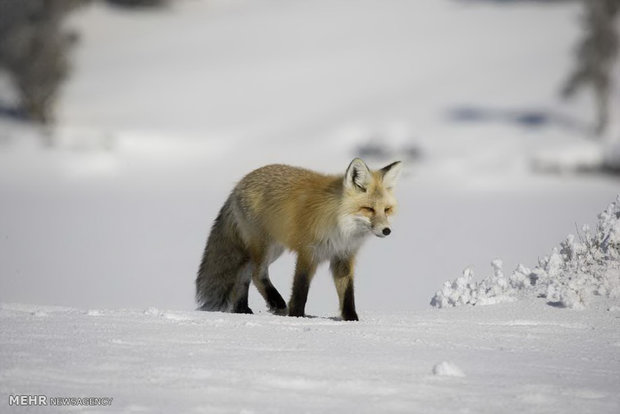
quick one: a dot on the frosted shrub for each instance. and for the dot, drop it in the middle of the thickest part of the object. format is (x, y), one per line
(459, 292)
(582, 267)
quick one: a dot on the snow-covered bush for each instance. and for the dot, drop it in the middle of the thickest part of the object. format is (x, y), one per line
(581, 267)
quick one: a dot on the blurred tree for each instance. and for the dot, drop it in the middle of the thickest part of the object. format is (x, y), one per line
(33, 49)
(596, 55)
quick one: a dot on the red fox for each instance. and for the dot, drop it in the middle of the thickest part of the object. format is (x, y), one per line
(319, 217)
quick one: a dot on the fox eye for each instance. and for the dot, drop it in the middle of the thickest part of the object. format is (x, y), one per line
(388, 210)
(368, 210)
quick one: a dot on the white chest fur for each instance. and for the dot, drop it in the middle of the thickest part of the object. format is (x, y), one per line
(345, 239)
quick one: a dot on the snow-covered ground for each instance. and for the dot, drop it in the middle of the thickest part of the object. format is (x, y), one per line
(164, 113)
(508, 358)
(166, 110)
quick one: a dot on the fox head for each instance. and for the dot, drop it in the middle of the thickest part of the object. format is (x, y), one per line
(368, 198)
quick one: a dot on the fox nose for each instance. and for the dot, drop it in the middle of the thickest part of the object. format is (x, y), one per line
(386, 231)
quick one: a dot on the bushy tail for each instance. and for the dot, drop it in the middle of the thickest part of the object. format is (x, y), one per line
(223, 258)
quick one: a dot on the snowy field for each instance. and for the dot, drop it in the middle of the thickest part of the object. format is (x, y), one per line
(508, 358)
(104, 218)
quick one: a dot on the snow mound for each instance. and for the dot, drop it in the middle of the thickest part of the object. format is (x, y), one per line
(582, 267)
(151, 311)
(447, 369)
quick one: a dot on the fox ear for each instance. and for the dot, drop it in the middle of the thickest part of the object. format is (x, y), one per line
(391, 173)
(358, 175)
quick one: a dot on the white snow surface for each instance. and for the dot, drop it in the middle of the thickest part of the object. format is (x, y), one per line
(579, 269)
(518, 357)
(166, 110)
(105, 216)
(447, 369)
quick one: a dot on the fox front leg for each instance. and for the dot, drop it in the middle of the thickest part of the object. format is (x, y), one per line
(342, 271)
(304, 271)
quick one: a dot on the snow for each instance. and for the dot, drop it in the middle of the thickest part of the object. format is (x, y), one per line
(154, 131)
(581, 268)
(523, 356)
(103, 218)
(447, 369)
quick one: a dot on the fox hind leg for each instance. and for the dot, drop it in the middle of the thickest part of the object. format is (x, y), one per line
(240, 291)
(260, 277)
(273, 298)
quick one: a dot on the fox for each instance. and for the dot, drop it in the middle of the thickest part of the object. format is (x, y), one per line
(318, 217)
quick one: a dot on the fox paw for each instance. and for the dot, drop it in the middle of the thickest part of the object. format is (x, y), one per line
(350, 316)
(242, 309)
(279, 311)
(296, 312)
